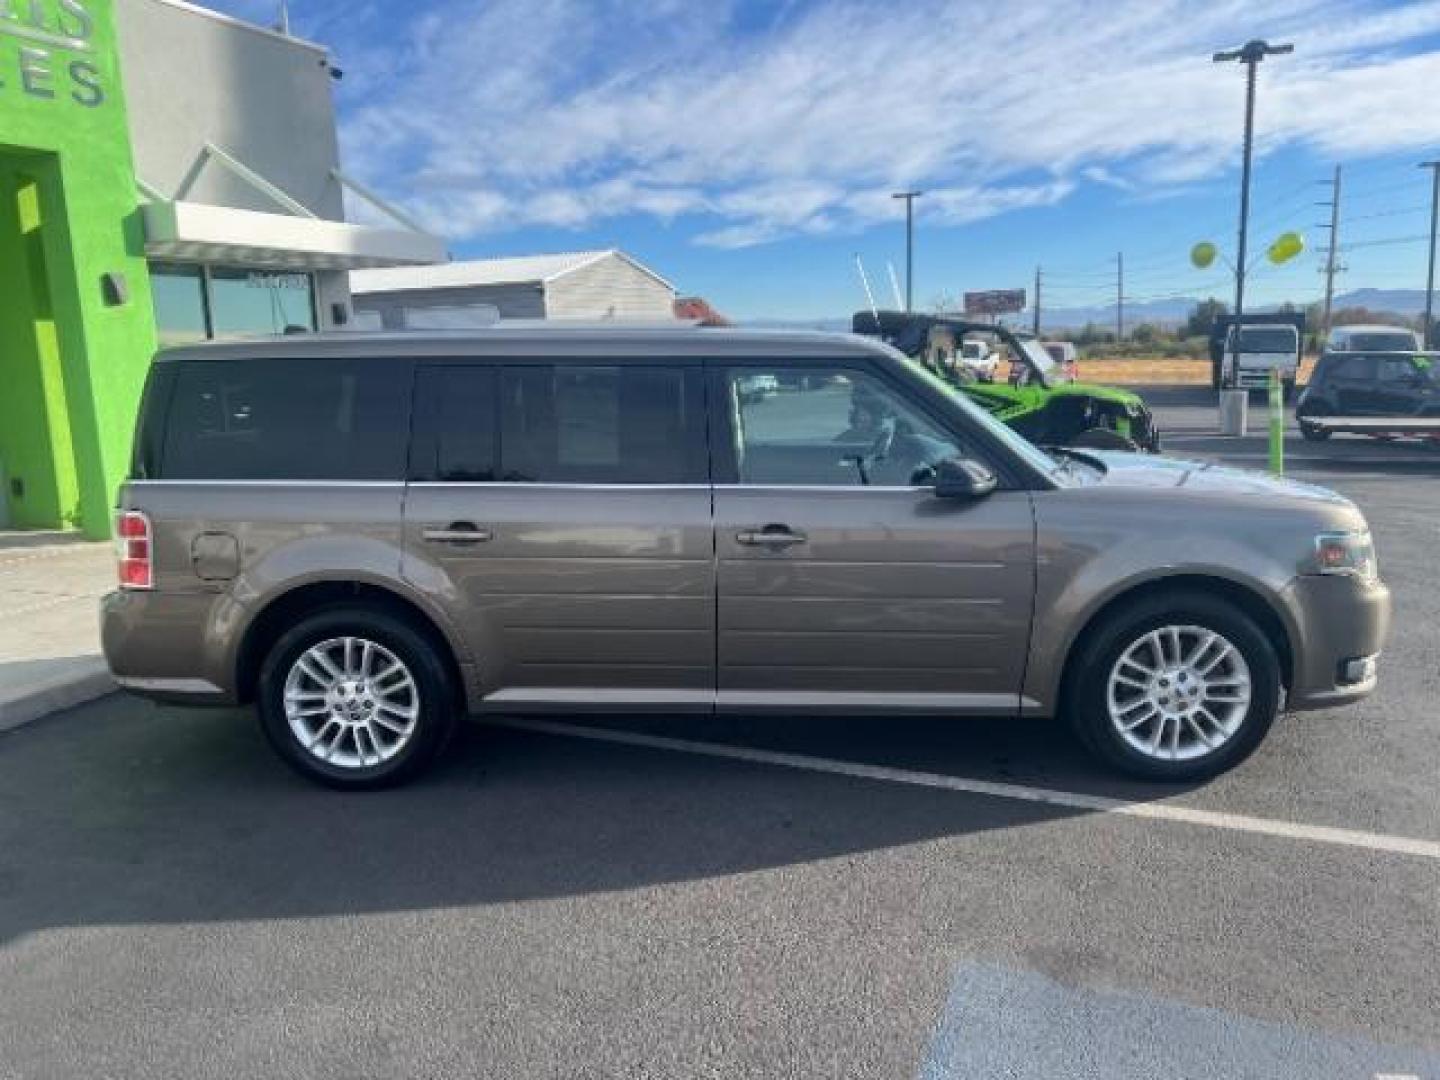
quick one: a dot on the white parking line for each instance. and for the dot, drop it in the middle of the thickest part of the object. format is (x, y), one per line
(1160, 811)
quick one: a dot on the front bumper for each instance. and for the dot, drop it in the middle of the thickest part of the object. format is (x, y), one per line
(1343, 623)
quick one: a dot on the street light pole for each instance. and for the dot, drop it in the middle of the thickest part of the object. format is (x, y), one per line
(1426, 334)
(909, 197)
(1250, 54)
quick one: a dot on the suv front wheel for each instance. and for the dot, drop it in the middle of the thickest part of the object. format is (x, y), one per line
(354, 697)
(1176, 688)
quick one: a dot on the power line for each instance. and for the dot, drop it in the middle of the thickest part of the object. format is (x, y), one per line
(1385, 241)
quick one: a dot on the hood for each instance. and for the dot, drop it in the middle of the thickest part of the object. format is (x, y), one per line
(1153, 471)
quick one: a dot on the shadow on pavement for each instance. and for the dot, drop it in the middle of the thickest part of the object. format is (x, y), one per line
(123, 812)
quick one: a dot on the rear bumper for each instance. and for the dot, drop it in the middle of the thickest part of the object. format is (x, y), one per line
(156, 646)
(1343, 624)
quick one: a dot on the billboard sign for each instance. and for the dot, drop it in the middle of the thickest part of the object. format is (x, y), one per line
(995, 302)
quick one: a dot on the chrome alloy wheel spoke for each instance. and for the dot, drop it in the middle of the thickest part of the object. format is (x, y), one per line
(351, 702)
(1178, 692)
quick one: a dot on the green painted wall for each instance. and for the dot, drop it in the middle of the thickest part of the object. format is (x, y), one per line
(73, 363)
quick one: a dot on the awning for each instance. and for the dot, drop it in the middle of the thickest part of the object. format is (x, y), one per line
(196, 232)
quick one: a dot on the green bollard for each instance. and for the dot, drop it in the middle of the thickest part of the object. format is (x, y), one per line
(1277, 423)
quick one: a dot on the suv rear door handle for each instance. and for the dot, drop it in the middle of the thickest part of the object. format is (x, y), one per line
(776, 536)
(457, 532)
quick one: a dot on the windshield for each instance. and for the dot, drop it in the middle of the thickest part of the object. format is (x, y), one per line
(1381, 342)
(1268, 339)
(1032, 454)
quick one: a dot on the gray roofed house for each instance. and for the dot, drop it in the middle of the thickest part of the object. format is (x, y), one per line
(573, 285)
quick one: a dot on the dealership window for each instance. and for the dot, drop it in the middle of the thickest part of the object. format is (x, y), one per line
(259, 302)
(179, 293)
(193, 303)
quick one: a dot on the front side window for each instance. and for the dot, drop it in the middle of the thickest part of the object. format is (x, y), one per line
(1403, 370)
(831, 427)
(579, 423)
(287, 419)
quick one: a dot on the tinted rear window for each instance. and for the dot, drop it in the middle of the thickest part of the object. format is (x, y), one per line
(1340, 366)
(277, 419)
(1380, 342)
(456, 424)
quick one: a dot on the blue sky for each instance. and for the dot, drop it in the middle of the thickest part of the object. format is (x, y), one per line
(746, 150)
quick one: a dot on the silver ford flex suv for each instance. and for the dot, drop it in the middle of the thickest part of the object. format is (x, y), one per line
(369, 536)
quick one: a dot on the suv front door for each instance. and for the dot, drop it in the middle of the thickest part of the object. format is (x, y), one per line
(561, 512)
(843, 581)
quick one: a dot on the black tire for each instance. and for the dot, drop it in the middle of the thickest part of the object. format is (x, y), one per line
(1310, 433)
(1105, 439)
(1087, 688)
(436, 698)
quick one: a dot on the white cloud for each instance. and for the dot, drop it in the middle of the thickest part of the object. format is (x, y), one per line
(567, 113)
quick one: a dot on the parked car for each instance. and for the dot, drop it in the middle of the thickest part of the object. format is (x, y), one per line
(369, 535)
(1033, 400)
(1383, 394)
(979, 360)
(1373, 338)
(1066, 359)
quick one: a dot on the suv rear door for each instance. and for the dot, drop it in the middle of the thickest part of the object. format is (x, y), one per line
(561, 511)
(844, 583)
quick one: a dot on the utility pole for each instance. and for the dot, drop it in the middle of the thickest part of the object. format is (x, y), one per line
(1038, 277)
(1119, 297)
(1330, 262)
(1250, 54)
(909, 197)
(1427, 334)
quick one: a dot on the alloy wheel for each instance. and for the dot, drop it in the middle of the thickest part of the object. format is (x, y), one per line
(1179, 692)
(351, 702)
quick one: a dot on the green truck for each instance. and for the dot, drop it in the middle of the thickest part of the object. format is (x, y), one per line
(1033, 400)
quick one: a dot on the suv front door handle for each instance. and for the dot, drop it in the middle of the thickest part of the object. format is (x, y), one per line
(771, 536)
(457, 532)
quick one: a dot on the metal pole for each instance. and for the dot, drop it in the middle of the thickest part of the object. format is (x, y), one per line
(1334, 254)
(909, 255)
(909, 197)
(1119, 297)
(1250, 55)
(1427, 332)
(1250, 66)
(1037, 301)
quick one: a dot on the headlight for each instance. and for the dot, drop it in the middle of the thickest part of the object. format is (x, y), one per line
(1346, 553)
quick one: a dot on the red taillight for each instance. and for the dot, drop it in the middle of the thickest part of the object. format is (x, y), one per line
(133, 550)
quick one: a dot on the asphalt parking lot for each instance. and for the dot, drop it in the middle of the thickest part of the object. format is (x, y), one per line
(773, 897)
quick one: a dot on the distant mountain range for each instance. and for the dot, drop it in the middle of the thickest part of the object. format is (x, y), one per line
(1408, 302)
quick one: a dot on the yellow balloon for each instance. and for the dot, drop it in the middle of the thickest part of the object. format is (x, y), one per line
(1203, 254)
(1286, 247)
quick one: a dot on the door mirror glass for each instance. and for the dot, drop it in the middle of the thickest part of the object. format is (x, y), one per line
(963, 478)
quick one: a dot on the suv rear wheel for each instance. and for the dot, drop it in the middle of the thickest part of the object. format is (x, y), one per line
(354, 697)
(1176, 688)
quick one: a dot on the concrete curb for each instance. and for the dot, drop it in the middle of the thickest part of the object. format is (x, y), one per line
(87, 683)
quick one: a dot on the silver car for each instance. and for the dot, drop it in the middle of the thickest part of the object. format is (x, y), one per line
(370, 536)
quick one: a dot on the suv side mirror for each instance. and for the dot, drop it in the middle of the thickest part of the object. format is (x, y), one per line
(963, 478)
